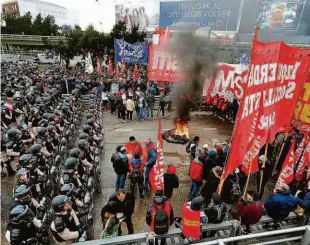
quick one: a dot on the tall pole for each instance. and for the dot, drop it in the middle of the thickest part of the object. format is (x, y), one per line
(263, 167)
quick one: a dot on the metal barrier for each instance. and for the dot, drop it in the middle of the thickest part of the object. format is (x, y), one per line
(228, 231)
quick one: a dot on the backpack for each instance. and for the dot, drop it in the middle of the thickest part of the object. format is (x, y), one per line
(161, 222)
(135, 173)
(188, 147)
(235, 191)
(195, 172)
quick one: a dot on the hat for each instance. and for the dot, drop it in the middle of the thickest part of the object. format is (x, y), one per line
(205, 146)
(219, 150)
(171, 169)
(212, 154)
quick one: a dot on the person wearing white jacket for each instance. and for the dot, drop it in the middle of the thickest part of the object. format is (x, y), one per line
(130, 107)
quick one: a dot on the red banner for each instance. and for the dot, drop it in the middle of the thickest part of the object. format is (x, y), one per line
(162, 65)
(274, 82)
(287, 172)
(302, 112)
(228, 80)
(303, 154)
(190, 222)
(111, 72)
(157, 172)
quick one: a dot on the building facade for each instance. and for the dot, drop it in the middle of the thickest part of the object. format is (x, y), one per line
(62, 15)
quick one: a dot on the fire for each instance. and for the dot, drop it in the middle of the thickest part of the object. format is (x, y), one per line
(181, 128)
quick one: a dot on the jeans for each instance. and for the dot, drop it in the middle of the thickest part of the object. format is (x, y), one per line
(193, 189)
(147, 175)
(149, 111)
(141, 113)
(120, 181)
(129, 115)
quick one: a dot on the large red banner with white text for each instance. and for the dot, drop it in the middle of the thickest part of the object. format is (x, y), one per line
(274, 82)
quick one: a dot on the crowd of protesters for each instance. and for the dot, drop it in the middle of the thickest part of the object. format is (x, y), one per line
(205, 171)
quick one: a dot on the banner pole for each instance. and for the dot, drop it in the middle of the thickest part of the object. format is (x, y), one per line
(278, 157)
(262, 171)
(250, 169)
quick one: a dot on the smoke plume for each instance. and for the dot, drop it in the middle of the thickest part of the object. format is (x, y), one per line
(197, 61)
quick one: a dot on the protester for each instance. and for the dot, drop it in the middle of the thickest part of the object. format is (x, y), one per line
(159, 216)
(212, 183)
(209, 163)
(136, 174)
(171, 181)
(279, 205)
(111, 226)
(266, 171)
(196, 174)
(120, 165)
(193, 218)
(133, 146)
(105, 100)
(231, 191)
(192, 148)
(306, 203)
(221, 158)
(142, 106)
(149, 160)
(150, 101)
(120, 108)
(130, 107)
(249, 210)
(120, 204)
(112, 102)
(162, 103)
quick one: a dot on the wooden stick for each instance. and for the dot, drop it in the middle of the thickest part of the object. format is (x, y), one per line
(263, 166)
(278, 158)
(220, 187)
(250, 169)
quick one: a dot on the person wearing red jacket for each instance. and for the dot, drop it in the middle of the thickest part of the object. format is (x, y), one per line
(155, 218)
(249, 211)
(196, 174)
(133, 146)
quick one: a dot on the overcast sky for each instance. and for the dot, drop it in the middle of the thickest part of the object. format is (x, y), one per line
(92, 12)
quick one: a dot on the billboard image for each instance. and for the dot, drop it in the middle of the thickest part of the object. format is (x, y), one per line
(142, 14)
(219, 15)
(279, 14)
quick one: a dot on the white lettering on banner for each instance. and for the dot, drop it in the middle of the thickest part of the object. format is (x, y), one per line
(253, 127)
(251, 104)
(251, 153)
(164, 60)
(266, 73)
(266, 122)
(158, 168)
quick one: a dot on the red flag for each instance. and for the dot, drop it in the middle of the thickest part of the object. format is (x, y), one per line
(157, 172)
(272, 91)
(191, 222)
(287, 172)
(135, 73)
(111, 72)
(118, 74)
(99, 71)
(301, 154)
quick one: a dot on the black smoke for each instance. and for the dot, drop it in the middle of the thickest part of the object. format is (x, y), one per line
(197, 61)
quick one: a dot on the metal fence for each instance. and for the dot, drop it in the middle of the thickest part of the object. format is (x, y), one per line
(30, 37)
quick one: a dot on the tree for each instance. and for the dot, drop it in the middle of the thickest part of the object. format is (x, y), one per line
(49, 28)
(19, 25)
(37, 25)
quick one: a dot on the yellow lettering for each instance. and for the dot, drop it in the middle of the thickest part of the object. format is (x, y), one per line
(306, 95)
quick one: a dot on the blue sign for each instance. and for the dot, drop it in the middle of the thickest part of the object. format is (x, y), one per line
(219, 15)
(136, 53)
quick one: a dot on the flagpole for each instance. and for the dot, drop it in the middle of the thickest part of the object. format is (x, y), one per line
(262, 171)
(278, 157)
(250, 169)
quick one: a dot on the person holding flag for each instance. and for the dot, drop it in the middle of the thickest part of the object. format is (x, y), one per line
(149, 160)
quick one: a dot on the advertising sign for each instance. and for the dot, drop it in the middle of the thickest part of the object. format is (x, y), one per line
(145, 15)
(219, 15)
(279, 15)
(130, 53)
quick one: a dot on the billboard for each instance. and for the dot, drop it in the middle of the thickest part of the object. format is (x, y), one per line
(142, 14)
(219, 15)
(279, 15)
(285, 17)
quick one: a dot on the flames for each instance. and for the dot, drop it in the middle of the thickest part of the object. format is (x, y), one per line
(181, 128)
